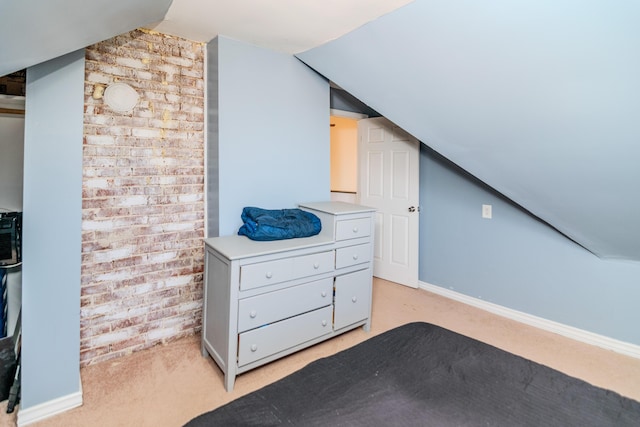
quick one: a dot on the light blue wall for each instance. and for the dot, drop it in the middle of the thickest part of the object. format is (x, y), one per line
(272, 122)
(538, 98)
(52, 203)
(517, 261)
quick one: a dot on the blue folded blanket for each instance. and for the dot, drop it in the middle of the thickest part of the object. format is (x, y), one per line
(278, 224)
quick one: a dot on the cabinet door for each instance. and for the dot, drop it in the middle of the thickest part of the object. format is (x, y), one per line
(352, 298)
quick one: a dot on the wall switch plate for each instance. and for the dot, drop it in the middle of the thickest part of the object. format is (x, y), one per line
(486, 211)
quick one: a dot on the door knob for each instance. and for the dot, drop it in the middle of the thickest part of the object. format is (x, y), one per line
(412, 208)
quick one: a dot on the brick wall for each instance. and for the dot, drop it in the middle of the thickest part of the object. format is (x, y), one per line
(143, 196)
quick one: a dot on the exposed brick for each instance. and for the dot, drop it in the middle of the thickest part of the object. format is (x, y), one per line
(143, 197)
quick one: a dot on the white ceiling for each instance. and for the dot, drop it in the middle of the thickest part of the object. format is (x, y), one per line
(290, 26)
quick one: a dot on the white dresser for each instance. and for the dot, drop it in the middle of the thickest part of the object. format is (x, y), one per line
(264, 300)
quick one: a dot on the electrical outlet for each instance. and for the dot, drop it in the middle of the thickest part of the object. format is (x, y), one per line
(486, 211)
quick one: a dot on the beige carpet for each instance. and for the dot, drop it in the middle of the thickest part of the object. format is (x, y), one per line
(168, 385)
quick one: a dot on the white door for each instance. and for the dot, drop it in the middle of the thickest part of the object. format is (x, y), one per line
(388, 162)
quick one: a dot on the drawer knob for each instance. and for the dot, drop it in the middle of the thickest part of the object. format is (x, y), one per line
(323, 293)
(254, 347)
(269, 275)
(253, 314)
(316, 265)
(355, 257)
(354, 299)
(324, 323)
(355, 229)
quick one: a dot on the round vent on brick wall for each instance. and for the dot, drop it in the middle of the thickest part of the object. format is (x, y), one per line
(120, 97)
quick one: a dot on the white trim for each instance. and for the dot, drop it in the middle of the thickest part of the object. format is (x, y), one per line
(347, 114)
(48, 409)
(581, 335)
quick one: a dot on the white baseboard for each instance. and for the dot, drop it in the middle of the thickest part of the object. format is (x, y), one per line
(48, 409)
(602, 341)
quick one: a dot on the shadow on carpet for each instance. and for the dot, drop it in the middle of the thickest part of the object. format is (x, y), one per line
(423, 375)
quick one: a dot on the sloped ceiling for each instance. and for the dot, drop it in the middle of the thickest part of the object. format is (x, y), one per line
(36, 31)
(540, 99)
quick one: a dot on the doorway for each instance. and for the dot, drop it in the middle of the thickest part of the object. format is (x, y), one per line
(375, 163)
(344, 155)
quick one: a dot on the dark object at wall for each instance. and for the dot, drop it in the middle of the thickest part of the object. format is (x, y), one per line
(8, 366)
(342, 100)
(10, 238)
(14, 83)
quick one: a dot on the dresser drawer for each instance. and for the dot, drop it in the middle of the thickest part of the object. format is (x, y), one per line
(353, 298)
(353, 228)
(263, 342)
(282, 270)
(273, 306)
(309, 265)
(266, 273)
(352, 255)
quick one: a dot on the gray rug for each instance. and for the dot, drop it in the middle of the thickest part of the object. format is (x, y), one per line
(423, 375)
